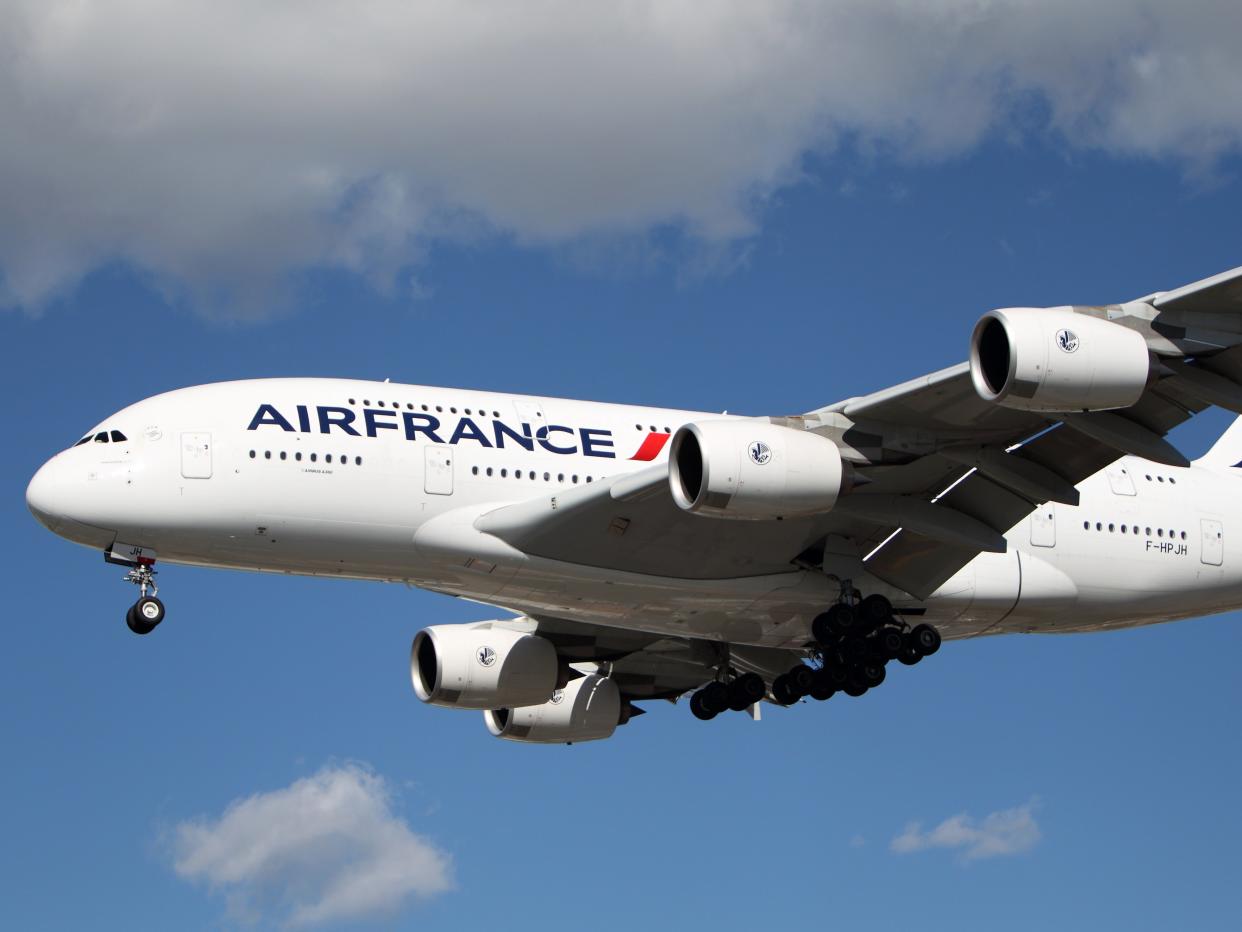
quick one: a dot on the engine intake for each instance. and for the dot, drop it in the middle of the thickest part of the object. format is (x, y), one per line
(754, 470)
(481, 666)
(1053, 360)
(587, 709)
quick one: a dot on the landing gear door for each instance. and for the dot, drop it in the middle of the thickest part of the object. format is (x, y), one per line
(1044, 526)
(438, 470)
(1211, 542)
(196, 456)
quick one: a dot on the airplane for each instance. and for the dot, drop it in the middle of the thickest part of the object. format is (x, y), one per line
(644, 553)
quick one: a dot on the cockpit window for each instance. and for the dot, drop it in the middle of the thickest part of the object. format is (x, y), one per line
(86, 439)
(118, 437)
(101, 437)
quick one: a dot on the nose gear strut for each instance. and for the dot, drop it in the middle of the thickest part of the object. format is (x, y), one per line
(148, 611)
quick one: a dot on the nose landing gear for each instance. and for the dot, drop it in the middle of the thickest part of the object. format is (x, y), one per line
(148, 611)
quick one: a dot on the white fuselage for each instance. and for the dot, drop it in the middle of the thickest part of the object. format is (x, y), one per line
(381, 481)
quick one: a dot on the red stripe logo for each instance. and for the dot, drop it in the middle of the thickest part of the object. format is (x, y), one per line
(651, 447)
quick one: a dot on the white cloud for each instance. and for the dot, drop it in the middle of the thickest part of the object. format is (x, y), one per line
(223, 145)
(1009, 831)
(327, 848)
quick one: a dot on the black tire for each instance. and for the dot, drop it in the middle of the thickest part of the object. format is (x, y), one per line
(745, 691)
(715, 697)
(136, 622)
(871, 675)
(909, 655)
(801, 677)
(925, 639)
(822, 686)
(854, 649)
(875, 610)
(702, 713)
(842, 619)
(149, 610)
(854, 688)
(784, 691)
(889, 642)
(835, 674)
(822, 631)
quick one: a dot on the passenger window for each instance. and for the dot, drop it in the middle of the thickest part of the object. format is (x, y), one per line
(118, 437)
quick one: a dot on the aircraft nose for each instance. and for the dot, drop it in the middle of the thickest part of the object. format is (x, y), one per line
(44, 496)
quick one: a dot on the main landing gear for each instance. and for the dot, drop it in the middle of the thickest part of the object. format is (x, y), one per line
(856, 639)
(854, 642)
(716, 697)
(148, 611)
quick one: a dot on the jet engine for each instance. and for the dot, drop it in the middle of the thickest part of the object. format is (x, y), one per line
(481, 666)
(1053, 360)
(754, 470)
(587, 709)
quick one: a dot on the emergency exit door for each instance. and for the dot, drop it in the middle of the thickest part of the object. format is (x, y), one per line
(196, 456)
(1044, 526)
(438, 470)
(1211, 542)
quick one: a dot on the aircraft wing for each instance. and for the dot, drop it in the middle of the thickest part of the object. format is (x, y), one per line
(648, 666)
(945, 473)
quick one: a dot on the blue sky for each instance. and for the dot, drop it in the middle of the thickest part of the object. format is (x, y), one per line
(862, 260)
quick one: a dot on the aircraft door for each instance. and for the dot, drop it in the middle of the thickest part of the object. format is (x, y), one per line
(438, 470)
(1044, 526)
(196, 456)
(1211, 542)
(1120, 480)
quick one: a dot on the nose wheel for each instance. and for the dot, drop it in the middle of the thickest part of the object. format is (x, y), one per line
(145, 614)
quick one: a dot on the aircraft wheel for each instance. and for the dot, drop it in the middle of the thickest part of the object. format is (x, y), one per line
(822, 686)
(801, 677)
(784, 691)
(925, 639)
(875, 610)
(822, 631)
(854, 688)
(144, 615)
(746, 690)
(909, 655)
(697, 708)
(889, 642)
(871, 675)
(715, 697)
(854, 649)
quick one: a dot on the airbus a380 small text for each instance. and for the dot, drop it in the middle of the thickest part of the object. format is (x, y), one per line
(648, 554)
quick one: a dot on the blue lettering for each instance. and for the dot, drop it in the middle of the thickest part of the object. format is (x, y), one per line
(469, 430)
(548, 445)
(267, 414)
(343, 419)
(597, 447)
(428, 426)
(370, 415)
(523, 439)
(303, 419)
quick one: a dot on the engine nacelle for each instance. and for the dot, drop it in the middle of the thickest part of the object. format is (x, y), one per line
(1053, 360)
(587, 709)
(754, 470)
(481, 666)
